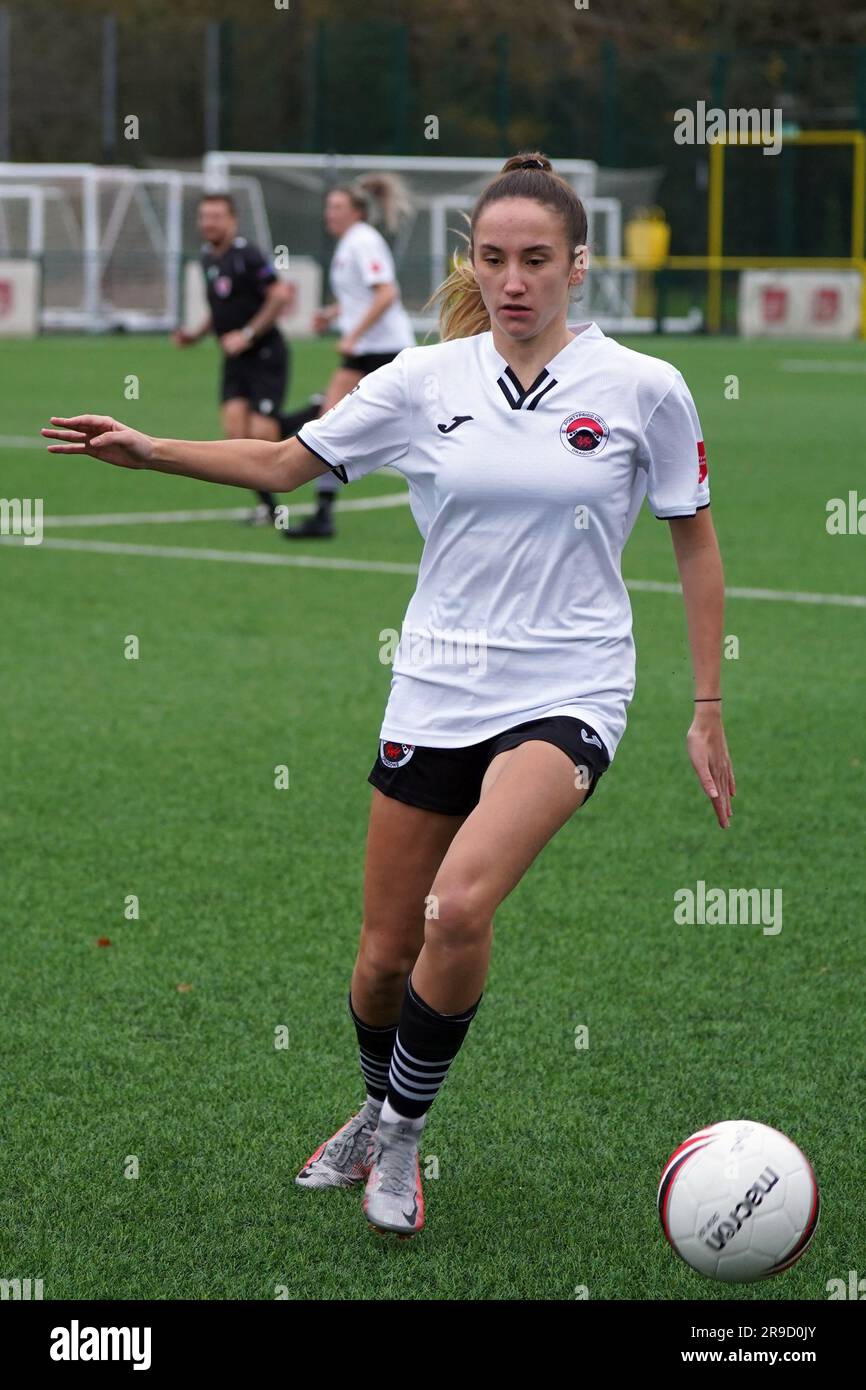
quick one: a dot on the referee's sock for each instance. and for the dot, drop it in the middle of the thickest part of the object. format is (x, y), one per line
(326, 491)
(269, 501)
(291, 423)
(375, 1046)
(426, 1044)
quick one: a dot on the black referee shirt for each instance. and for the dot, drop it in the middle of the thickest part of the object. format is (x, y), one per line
(237, 283)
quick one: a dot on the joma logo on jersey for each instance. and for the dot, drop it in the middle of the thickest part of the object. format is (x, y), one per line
(584, 433)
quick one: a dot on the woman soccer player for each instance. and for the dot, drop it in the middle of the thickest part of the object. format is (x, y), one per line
(528, 447)
(373, 324)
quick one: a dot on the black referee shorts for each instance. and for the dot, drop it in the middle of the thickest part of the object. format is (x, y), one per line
(367, 362)
(448, 780)
(259, 375)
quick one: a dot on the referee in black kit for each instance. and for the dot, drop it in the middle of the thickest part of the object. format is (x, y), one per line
(246, 297)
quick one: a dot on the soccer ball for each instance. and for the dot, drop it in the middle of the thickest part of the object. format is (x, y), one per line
(738, 1201)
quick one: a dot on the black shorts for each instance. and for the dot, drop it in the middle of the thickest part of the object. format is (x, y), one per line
(367, 362)
(259, 375)
(448, 780)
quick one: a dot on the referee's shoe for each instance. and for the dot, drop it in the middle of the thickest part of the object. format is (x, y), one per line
(320, 524)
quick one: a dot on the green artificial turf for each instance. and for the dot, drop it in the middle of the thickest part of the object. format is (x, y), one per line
(155, 778)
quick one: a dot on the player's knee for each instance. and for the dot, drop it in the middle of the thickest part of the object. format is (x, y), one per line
(263, 428)
(458, 914)
(386, 958)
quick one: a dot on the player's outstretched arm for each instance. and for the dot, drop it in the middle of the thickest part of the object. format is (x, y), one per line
(248, 463)
(700, 567)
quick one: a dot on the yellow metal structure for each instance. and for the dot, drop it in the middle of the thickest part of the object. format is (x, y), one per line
(716, 262)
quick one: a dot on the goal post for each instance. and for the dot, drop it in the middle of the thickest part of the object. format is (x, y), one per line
(716, 262)
(110, 240)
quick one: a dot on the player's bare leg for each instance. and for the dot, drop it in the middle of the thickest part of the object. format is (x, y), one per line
(321, 525)
(405, 846)
(528, 793)
(264, 427)
(236, 418)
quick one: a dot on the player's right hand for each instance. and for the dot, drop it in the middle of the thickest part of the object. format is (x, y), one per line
(182, 338)
(100, 437)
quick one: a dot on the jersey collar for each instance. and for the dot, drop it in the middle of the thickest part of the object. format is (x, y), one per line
(508, 382)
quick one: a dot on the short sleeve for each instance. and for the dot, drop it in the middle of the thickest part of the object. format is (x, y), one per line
(260, 269)
(375, 262)
(368, 428)
(674, 455)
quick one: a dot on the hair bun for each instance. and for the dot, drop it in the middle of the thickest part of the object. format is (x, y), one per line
(528, 161)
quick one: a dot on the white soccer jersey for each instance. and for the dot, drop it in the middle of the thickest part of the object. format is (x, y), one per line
(362, 259)
(525, 499)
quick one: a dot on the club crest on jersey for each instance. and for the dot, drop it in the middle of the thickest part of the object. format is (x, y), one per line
(223, 286)
(395, 754)
(584, 433)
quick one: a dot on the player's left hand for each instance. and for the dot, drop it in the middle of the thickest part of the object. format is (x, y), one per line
(347, 346)
(234, 342)
(708, 751)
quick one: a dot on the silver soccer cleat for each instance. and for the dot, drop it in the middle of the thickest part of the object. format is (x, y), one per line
(342, 1160)
(393, 1200)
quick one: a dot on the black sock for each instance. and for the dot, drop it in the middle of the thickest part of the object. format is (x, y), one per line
(269, 500)
(291, 423)
(325, 501)
(426, 1044)
(375, 1046)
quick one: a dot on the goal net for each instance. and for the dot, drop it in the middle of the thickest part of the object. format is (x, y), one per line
(109, 240)
(443, 192)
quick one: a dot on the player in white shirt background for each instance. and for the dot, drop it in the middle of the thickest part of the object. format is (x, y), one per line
(367, 311)
(528, 447)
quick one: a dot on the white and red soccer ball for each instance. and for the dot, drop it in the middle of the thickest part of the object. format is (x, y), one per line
(738, 1201)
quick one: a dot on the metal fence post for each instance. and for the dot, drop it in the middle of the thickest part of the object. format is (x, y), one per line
(503, 90)
(5, 72)
(212, 86)
(109, 89)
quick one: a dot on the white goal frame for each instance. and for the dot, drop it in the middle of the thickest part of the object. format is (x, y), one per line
(79, 223)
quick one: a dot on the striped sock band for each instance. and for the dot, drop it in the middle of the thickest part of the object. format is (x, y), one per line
(375, 1046)
(426, 1044)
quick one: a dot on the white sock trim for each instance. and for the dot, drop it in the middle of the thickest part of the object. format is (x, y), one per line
(392, 1116)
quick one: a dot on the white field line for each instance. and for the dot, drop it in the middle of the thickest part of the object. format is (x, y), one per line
(238, 557)
(846, 366)
(247, 557)
(652, 586)
(22, 441)
(356, 504)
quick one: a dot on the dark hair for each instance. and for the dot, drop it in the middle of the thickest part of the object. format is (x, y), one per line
(526, 175)
(220, 198)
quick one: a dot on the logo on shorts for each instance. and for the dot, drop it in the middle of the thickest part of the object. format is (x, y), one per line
(584, 433)
(395, 754)
(590, 738)
(265, 407)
